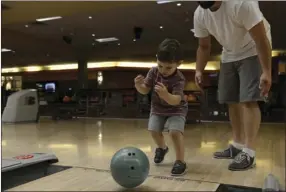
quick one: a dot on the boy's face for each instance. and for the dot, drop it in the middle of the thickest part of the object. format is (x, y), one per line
(166, 69)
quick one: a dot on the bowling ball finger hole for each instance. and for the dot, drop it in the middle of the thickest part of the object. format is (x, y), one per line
(132, 168)
(129, 154)
(133, 154)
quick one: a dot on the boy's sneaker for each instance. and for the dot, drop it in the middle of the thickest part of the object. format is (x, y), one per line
(160, 154)
(242, 162)
(179, 168)
(229, 153)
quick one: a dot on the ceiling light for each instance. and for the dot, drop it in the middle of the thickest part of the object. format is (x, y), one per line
(163, 1)
(48, 18)
(90, 17)
(26, 26)
(5, 50)
(179, 4)
(93, 35)
(109, 39)
(118, 44)
(161, 27)
(134, 40)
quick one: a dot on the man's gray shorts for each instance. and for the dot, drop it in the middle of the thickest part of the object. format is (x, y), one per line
(239, 81)
(163, 123)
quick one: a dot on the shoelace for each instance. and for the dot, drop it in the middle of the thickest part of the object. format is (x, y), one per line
(241, 157)
(177, 164)
(158, 151)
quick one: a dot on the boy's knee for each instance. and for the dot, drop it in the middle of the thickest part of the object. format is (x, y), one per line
(175, 134)
(155, 133)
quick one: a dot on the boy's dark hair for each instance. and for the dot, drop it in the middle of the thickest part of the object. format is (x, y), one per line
(170, 51)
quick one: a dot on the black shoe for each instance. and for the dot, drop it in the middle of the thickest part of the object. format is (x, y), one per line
(229, 153)
(160, 154)
(179, 168)
(242, 162)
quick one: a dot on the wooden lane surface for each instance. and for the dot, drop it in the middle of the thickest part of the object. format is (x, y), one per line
(84, 179)
(91, 144)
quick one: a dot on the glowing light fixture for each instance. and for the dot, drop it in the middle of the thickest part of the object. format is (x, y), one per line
(101, 65)
(212, 65)
(33, 68)
(100, 81)
(61, 67)
(104, 40)
(5, 50)
(48, 18)
(278, 52)
(11, 70)
(164, 1)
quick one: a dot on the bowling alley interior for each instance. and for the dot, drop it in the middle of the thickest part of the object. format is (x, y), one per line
(72, 119)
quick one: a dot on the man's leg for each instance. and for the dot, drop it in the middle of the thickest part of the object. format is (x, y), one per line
(249, 72)
(229, 93)
(236, 119)
(156, 126)
(252, 120)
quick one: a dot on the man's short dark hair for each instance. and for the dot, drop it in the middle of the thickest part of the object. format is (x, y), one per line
(170, 51)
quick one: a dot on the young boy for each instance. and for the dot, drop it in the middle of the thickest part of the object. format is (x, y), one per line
(168, 106)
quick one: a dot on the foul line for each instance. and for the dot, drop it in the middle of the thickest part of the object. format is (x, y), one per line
(153, 176)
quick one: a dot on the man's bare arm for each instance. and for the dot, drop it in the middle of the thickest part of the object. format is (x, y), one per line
(203, 53)
(263, 46)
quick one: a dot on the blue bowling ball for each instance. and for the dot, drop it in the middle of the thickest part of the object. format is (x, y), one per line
(129, 167)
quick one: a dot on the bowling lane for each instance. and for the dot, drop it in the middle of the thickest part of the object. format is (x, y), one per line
(84, 179)
(90, 143)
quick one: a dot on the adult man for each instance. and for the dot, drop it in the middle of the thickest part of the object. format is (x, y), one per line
(245, 73)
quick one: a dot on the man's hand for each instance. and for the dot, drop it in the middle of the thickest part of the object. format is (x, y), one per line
(265, 83)
(199, 80)
(162, 91)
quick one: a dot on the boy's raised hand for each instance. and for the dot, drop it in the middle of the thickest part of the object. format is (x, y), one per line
(161, 89)
(139, 80)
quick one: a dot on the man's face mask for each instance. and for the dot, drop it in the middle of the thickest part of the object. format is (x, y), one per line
(206, 4)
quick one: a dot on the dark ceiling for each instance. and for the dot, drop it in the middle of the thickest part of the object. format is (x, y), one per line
(43, 43)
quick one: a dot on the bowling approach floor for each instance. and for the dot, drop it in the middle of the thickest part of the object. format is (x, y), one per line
(87, 145)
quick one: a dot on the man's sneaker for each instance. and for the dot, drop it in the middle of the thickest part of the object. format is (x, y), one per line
(229, 153)
(241, 162)
(179, 168)
(160, 154)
